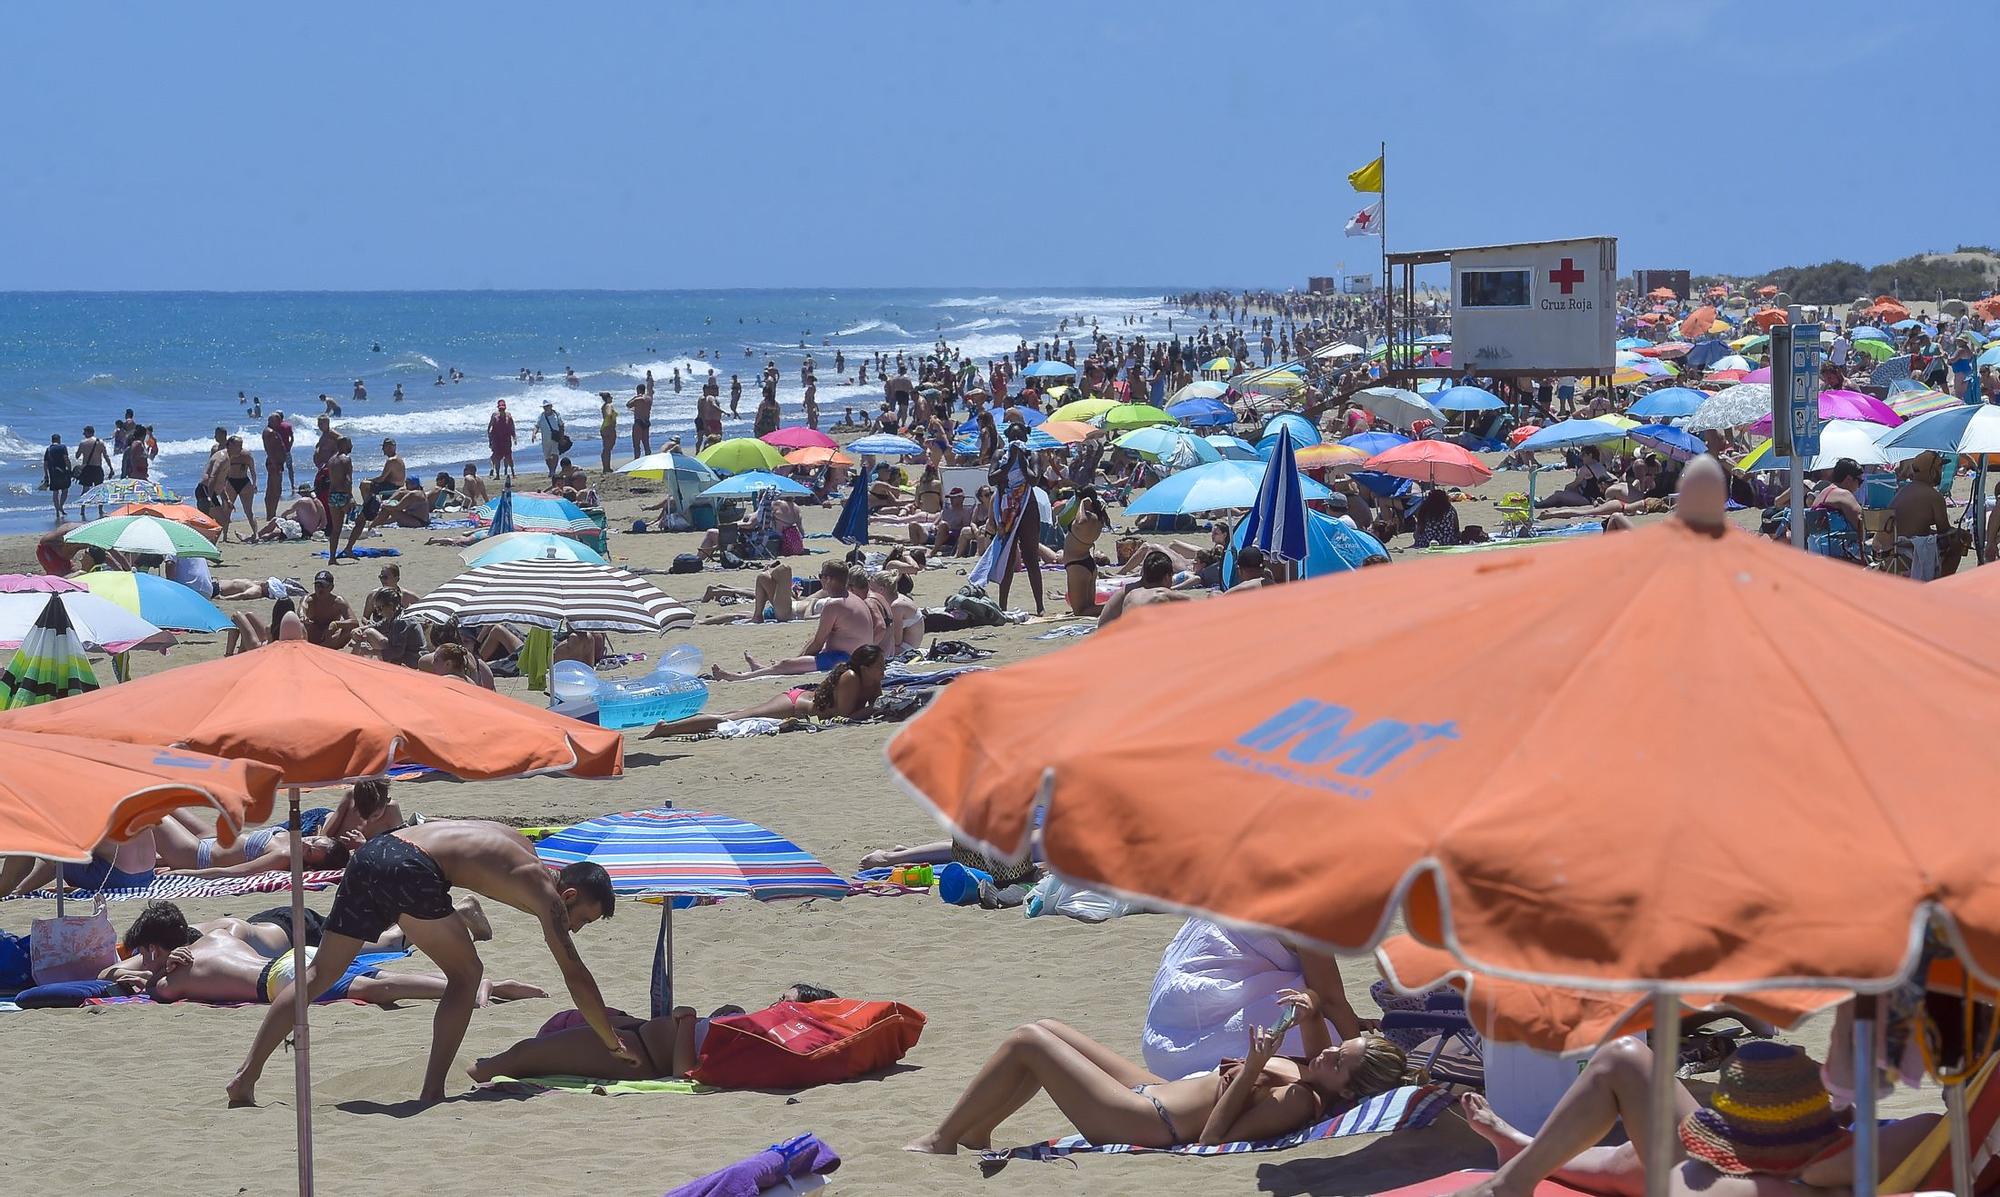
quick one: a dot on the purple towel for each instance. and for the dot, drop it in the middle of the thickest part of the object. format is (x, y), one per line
(803, 1156)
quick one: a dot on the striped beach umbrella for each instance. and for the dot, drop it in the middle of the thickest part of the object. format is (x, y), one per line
(669, 854)
(49, 664)
(530, 511)
(159, 601)
(1277, 522)
(1917, 400)
(550, 594)
(127, 490)
(145, 534)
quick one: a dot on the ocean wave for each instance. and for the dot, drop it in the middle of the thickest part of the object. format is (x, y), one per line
(690, 368)
(978, 301)
(883, 326)
(13, 446)
(983, 322)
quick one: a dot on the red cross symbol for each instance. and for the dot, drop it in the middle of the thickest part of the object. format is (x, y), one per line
(1568, 276)
(1363, 218)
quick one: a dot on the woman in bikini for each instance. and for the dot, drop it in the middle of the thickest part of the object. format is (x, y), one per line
(1079, 552)
(1111, 1100)
(187, 851)
(847, 691)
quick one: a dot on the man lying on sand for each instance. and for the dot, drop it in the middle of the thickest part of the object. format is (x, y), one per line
(846, 693)
(659, 1048)
(405, 878)
(172, 962)
(846, 622)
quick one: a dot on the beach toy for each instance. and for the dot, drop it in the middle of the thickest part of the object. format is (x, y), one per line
(673, 690)
(917, 876)
(959, 885)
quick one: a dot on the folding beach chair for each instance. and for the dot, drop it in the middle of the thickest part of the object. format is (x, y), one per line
(1441, 1040)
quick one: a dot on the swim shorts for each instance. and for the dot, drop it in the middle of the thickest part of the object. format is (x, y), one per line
(281, 918)
(388, 878)
(828, 659)
(279, 973)
(99, 874)
(338, 501)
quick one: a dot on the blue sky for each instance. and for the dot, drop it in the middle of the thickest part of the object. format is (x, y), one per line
(995, 142)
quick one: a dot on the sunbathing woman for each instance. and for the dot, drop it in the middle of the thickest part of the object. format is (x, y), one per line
(846, 693)
(1112, 1100)
(661, 1048)
(250, 632)
(1610, 506)
(188, 852)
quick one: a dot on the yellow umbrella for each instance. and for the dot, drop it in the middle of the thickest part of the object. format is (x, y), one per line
(1083, 409)
(1276, 381)
(741, 455)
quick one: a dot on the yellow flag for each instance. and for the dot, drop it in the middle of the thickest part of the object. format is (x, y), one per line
(1368, 178)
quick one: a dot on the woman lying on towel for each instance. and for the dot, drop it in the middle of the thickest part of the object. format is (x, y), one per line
(187, 852)
(1112, 1100)
(660, 1048)
(847, 691)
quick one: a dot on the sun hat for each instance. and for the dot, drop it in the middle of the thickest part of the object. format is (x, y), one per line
(1770, 1115)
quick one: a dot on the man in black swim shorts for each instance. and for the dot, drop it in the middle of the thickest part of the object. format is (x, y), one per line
(404, 879)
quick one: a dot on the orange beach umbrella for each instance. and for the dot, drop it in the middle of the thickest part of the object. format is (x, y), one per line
(179, 513)
(1544, 790)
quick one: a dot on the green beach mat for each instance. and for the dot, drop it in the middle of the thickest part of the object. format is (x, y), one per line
(599, 1086)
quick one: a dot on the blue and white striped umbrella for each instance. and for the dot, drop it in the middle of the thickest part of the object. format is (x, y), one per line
(685, 853)
(1277, 522)
(529, 511)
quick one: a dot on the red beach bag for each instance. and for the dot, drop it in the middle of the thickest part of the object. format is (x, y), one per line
(793, 1045)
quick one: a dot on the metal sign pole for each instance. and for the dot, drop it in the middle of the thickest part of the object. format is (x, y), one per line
(1781, 432)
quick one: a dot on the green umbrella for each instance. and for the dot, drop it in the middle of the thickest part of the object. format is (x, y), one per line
(741, 455)
(1083, 410)
(49, 664)
(1134, 415)
(1881, 351)
(145, 534)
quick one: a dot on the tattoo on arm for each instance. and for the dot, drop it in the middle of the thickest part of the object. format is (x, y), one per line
(559, 929)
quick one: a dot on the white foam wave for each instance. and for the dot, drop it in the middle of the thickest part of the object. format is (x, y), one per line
(14, 446)
(978, 301)
(690, 367)
(884, 326)
(981, 323)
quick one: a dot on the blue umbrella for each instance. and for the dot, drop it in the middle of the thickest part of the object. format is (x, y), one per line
(1869, 332)
(1991, 357)
(752, 481)
(159, 601)
(1665, 438)
(1464, 398)
(1217, 486)
(1331, 547)
(1707, 353)
(1277, 522)
(1303, 432)
(1372, 443)
(501, 521)
(1164, 442)
(1202, 413)
(886, 444)
(1033, 417)
(1234, 448)
(1048, 370)
(1632, 343)
(1667, 403)
(852, 526)
(690, 854)
(1572, 434)
(532, 512)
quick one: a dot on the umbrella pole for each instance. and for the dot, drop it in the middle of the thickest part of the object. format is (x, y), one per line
(1979, 513)
(301, 1069)
(1961, 1139)
(1864, 1095)
(663, 961)
(1663, 1150)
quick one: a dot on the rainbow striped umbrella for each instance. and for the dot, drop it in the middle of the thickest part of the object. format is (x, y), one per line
(1916, 401)
(119, 491)
(162, 602)
(670, 854)
(49, 664)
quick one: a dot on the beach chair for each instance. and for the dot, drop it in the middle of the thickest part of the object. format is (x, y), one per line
(1448, 1051)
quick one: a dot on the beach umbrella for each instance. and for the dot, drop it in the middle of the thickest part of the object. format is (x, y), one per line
(1219, 365)
(738, 486)
(117, 491)
(1217, 486)
(658, 465)
(1048, 370)
(815, 456)
(1204, 389)
(1732, 408)
(1069, 432)
(1667, 403)
(1760, 374)
(1276, 522)
(1372, 443)
(1332, 547)
(1632, 343)
(1868, 332)
(1854, 439)
(1989, 358)
(50, 663)
(1330, 457)
(180, 513)
(1707, 353)
(320, 718)
(1668, 440)
(886, 444)
(852, 526)
(666, 854)
(1158, 442)
(1522, 433)
(553, 593)
(1233, 448)
(1083, 410)
(1013, 413)
(1134, 415)
(1437, 463)
(1667, 349)
(1338, 350)
(162, 602)
(1467, 398)
(1572, 434)
(740, 455)
(799, 437)
(1398, 406)
(144, 534)
(102, 625)
(1891, 370)
(38, 583)
(1698, 322)
(1276, 380)
(1733, 361)
(530, 511)
(1202, 413)
(529, 546)
(1302, 430)
(1844, 405)
(1875, 351)
(1917, 400)
(1486, 821)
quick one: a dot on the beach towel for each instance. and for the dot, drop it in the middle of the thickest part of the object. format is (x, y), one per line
(1920, 555)
(597, 1085)
(1452, 1182)
(799, 1158)
(1406, 1108)
(903, 675)
(537, 656)
(1073, 629)
(363, 552)
(172, 888)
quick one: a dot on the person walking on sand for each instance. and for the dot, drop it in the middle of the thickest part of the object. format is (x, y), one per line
(404, 879)
(500, 441)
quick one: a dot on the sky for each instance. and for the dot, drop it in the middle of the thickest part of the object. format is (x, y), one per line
(633, 145)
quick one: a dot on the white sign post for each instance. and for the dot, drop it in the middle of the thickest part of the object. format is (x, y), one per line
(1795, 354)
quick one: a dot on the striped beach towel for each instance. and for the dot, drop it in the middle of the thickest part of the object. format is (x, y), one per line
(1407, 1108)
(174, 889)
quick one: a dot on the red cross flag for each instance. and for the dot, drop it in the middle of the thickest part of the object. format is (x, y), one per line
(1367, 222)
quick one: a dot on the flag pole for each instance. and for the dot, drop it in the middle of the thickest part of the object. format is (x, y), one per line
(1382, 226)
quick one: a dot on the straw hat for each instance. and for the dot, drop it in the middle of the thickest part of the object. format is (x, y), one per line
(1770, 1115)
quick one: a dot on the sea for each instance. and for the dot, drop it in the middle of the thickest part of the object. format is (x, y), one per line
(179, 360)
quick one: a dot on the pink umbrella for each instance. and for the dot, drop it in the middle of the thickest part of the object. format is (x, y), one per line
(800, 437)
(1760, 374)
(1844, 405)
(1439, 463)
(44, 583)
